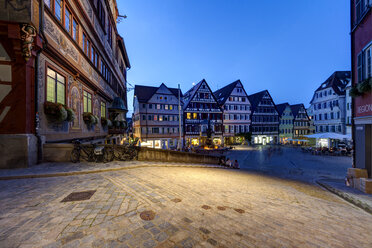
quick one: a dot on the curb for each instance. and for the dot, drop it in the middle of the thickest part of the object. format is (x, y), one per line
(346, 197)
(74, 173)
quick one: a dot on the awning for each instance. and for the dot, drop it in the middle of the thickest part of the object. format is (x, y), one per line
(337, 136)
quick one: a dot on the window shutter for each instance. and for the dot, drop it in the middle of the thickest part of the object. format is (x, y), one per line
(360, 67)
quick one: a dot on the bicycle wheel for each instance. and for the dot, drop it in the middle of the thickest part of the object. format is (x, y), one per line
(75, 156)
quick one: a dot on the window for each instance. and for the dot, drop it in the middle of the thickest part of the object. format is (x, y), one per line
(58, 9)
(87, 102)
(100, 13)
(360, 67)
(103, 109)
(74, 29)
(56, 88)
(360, 8)
(368, 62)
(109, 32)
(47, 3)
(194, 115)
(67, 20)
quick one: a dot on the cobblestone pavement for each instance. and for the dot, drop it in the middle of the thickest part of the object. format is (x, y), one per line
(291, 162)
(194, 207)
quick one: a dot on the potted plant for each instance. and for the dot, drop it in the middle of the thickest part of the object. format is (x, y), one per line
(106, 122)
(365, 86)
(55, 112)
(354, 92)
(89, 118)
(70, 115)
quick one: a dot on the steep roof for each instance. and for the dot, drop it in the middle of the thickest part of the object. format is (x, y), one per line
(281, 107)
(295, 108)
(223, 94)
(337, 81)
(191, 92)
(255, 99)
(144, 93)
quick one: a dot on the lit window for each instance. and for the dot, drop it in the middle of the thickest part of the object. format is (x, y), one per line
(55, 87)
(194, 115)
(170, 107)
(87, 102)
(103, 109)
(160, 118)
(188, 116)
(166, 106)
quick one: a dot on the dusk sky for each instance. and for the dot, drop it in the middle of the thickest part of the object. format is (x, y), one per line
(288, 47)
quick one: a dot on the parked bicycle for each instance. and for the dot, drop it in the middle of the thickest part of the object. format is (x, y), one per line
(90, 153)
(125, 152)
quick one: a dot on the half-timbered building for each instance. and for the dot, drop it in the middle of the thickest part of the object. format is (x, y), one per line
(202, 116)
(265, 119)
(66, 65)
(236, 111)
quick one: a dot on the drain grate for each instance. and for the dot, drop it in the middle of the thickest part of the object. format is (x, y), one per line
(79, 196)
(240, 211)
(176, 200)
(147, 215)
(206, 207)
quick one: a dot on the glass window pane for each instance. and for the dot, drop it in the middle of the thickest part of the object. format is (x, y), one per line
(51, 73)
(60, 78)
(50, 89)
(57, 8)
(60, 93)
(47, 3)
(89, 105)
(74, 29)
(67, 20)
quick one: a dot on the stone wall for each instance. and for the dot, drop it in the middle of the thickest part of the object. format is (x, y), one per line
(151, 154)
(61, 153)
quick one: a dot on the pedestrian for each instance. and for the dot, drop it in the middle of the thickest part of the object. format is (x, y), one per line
(228, 162)
(236, 164)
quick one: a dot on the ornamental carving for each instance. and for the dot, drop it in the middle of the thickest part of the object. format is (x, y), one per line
(27, 36)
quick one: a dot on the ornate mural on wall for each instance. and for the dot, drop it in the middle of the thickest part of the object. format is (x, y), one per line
(75, 103)
(64, 45)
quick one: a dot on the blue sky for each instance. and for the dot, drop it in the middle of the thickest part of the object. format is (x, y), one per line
(288, 47)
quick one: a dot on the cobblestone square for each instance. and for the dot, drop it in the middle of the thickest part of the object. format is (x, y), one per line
(194, 207)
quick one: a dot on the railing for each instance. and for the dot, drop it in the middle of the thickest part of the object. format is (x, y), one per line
(116, 130)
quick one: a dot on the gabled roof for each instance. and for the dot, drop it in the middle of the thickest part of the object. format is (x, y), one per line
(281, 107)
(223, 94)
(191, 93)
(295, 108)
(337, 81)
(255, 99)
(144, 93)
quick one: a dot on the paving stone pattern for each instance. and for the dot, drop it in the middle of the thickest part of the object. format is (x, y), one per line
(272, 212)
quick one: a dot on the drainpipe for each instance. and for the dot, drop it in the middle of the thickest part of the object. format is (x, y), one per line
(37, 59)
(352, 81)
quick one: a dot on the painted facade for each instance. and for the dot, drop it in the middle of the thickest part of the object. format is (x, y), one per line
(285, 123)
(264, 119)
(202, 116)
(301, 122)
(236, 111)
(70, 56)
(156, 116)
(361, 64)
(328, 104)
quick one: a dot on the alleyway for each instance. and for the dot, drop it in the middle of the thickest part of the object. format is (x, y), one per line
(194, 207)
